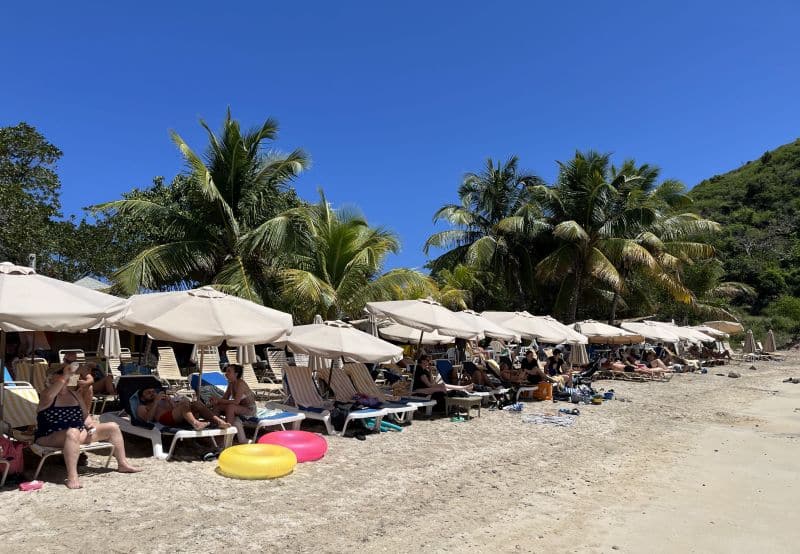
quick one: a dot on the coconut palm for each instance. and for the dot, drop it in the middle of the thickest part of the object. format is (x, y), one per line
(495, 212)
(673, 239)
(593, 225)
(329, 262)
(230, 194)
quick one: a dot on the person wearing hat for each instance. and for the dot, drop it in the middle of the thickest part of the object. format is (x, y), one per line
(63, 421)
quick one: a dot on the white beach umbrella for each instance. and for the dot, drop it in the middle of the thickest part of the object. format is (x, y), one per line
(685, 333)
(542, 328)
(33, 302)
(29, 301)
(749, 343)
(424, 315)
(769, 342)
(108, 344)
(408, 335)
(571, 336)
(246, 354)
(732, 327)
(487, 327)
(205, 317)
(578, 355)
(336, 339)
(601, 333)
(651, 331)
(526, 325)
(711, 331)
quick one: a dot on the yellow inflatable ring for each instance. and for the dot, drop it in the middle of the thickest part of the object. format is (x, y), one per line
(256, 461)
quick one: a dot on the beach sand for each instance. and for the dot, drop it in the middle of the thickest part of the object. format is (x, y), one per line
(704, 463)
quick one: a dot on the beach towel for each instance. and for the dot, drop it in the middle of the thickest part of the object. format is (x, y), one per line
(545, 419)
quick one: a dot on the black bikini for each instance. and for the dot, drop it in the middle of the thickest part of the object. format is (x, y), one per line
(57, 418)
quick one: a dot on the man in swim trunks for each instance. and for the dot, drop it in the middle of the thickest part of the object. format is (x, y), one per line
(157, 406)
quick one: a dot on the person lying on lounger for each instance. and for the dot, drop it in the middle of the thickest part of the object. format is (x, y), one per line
(156, 406)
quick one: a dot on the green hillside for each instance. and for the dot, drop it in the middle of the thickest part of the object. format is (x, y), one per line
(759, 207)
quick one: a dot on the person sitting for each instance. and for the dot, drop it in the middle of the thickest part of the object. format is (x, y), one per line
(85, 383)
(655, 366)
(158, 407)
(510, 376)
(555, 369)
(423, 379)
(238, 400)
(530, 365)
(477, 374)
(63, 421)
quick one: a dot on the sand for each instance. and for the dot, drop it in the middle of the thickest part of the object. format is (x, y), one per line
(704, 463)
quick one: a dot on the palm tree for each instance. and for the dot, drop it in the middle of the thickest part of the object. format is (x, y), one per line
(330, 261)
(670, 238)
(230, 195)
(594, 224)
(495, 211)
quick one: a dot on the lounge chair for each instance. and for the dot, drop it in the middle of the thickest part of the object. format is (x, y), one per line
(303, 393)
(128, 388)
(276, 360)
(80, 354)
(21, 405)
(362, 381)
(449, 373)
(272, 415)
(344, 391)
(168, 371)
(261, 390)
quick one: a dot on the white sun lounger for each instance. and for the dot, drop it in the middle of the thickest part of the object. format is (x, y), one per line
(307, 401)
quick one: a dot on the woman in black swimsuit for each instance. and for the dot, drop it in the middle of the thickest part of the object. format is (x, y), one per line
(62, 421)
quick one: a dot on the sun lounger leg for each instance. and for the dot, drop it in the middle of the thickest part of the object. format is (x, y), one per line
(41, 463)
(7, 466)
(172, 447)
(158, 447)
(110, 454)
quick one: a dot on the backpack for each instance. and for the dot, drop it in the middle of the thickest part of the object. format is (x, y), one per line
(11, 450)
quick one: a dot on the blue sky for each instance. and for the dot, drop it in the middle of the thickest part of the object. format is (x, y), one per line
(395, 101)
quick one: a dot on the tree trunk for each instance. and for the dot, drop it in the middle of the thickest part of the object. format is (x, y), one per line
(576, 293)
(613, 315)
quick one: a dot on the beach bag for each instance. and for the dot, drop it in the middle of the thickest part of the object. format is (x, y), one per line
(544, 391)
(12, 451)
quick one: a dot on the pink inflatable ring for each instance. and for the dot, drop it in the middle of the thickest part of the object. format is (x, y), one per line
(306, 446)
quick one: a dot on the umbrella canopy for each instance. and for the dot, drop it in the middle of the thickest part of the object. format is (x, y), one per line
(570, 335)
(29, 301)
(408, 335)
(424, 315)
(335, 339)
(543, 328)
(710, 331)
(487, 327)
(578, 355)
(749, 343)
(651, 331)
(686, 333)
(526, 326)
(203, 316)
(731, 327)
(769, 342)
(601, 333)
(108, 345)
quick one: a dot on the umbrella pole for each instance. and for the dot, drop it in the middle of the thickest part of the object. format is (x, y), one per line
(419, 344)
(200, 375)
